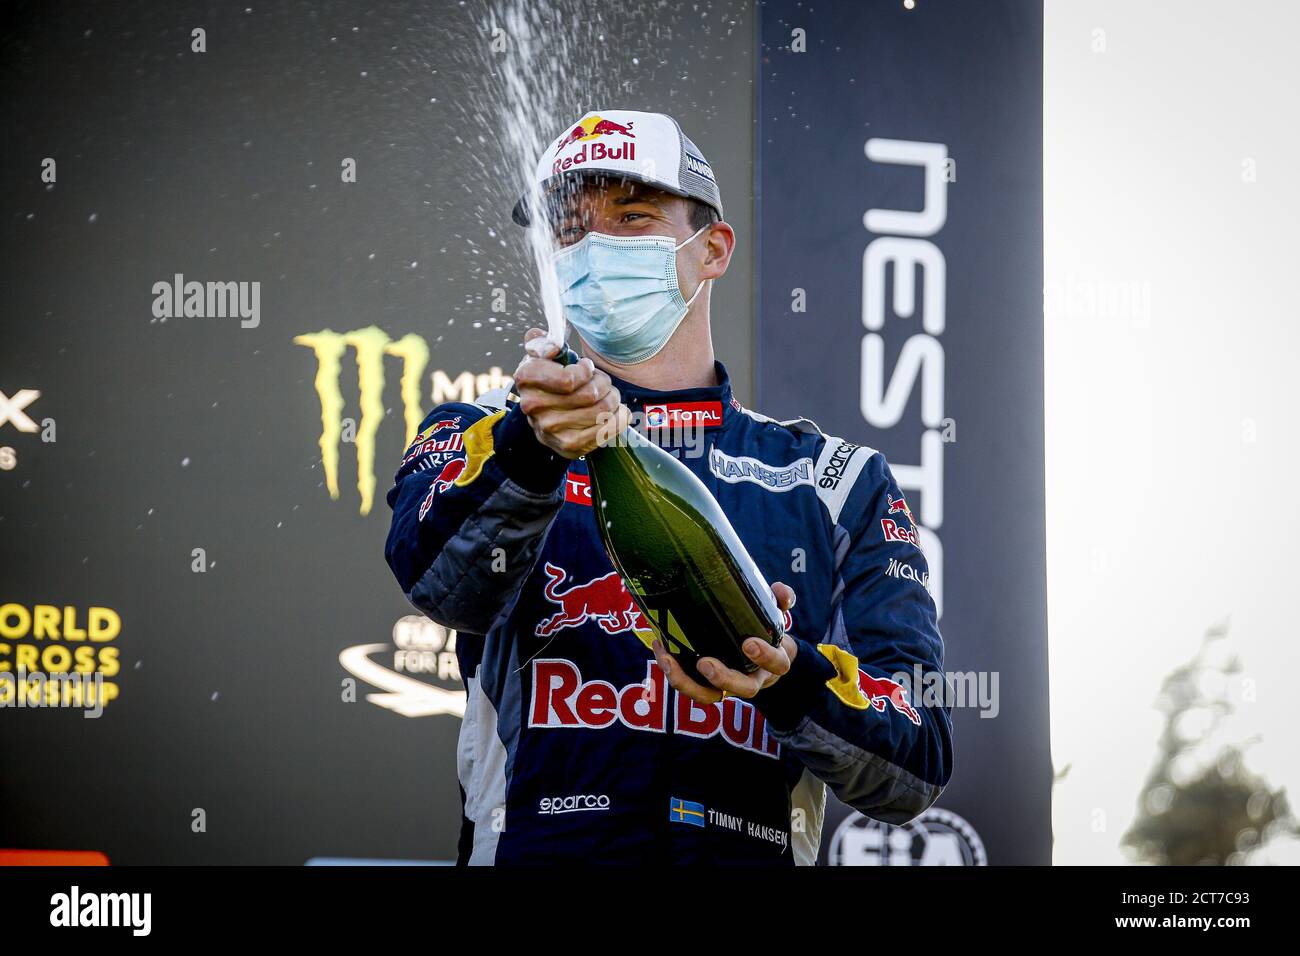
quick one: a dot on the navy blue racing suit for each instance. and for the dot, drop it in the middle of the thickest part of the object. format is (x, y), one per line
(562, 755)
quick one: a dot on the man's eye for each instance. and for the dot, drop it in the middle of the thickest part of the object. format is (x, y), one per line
(629, 216)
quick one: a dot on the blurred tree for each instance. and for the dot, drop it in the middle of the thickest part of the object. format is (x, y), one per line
(1200, 803)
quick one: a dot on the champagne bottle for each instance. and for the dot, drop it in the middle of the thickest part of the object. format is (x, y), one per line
(677, 553)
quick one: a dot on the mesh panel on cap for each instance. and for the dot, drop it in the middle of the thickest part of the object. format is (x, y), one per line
(693, 176)
(695, 184)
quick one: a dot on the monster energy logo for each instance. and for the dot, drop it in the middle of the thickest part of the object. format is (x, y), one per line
(371, 345)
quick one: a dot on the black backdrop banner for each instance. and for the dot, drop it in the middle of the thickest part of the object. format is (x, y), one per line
(191, 503)
(899, 207)
(191, 512)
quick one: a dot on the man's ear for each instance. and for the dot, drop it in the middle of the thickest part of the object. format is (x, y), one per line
(720, 242)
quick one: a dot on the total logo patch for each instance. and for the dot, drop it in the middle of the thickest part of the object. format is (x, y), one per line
(577, 488)
(682, 414)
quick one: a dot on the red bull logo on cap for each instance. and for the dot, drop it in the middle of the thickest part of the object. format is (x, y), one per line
(588, 133)
(591, 128)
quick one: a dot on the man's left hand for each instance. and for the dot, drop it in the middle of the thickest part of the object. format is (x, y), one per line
(723, 681)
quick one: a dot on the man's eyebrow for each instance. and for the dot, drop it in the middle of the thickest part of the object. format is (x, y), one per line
(558, 210)
(563, 208)
(629, 200)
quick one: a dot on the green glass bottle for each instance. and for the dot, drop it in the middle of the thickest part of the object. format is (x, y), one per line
(677, 553)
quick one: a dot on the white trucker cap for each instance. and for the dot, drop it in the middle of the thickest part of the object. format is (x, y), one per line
(647, 147)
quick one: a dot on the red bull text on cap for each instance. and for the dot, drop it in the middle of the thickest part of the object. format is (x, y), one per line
(646, 147)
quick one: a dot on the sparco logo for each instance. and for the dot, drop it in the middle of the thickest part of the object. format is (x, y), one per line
(578, 803)
(371, 345)
(834, 470)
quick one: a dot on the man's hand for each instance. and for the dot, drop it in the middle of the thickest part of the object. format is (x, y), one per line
(573, 408)
(772, 663)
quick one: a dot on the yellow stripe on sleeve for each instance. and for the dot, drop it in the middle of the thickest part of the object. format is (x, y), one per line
(479, 447)
(844, 684)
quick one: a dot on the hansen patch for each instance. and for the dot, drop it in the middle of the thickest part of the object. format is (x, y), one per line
(772, 477)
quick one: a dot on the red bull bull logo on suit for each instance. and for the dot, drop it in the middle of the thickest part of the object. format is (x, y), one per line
(441, 482)
(881, 692)
(605, 601)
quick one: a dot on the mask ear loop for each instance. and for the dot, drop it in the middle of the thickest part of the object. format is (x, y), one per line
(702, 281)
(693, 238)
(696, 293)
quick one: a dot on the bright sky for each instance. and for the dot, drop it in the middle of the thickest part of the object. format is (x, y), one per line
(1172, 366)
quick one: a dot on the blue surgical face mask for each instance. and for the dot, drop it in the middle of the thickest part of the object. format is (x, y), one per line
(621, 294)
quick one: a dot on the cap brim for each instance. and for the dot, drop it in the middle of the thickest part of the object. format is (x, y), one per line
(520, 213)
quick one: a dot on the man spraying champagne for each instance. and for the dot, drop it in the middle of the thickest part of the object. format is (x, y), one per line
(584, 740)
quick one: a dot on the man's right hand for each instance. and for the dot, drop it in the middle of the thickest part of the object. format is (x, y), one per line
(573, 408)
